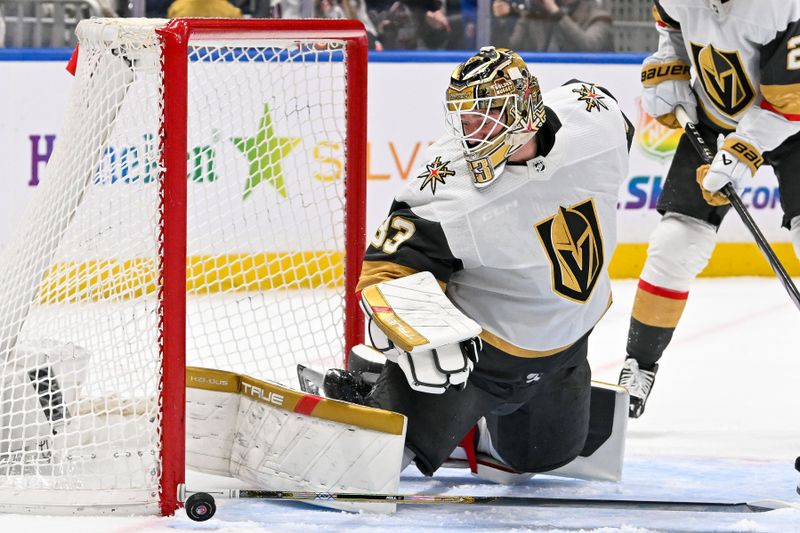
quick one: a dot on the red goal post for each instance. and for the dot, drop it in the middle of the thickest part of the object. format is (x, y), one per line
(170, 239)
(176, 36)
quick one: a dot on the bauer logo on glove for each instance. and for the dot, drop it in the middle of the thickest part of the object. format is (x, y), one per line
(414, 324)
(666, 85)
(736, 160)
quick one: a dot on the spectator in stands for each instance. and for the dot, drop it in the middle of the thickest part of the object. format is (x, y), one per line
(414, 24)
(554, 26)
(334, 9)
(397, 27)
(2, 29)
(203, 8)
(462, 16)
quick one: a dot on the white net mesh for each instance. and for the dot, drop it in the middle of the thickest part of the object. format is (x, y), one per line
(267, 161)
(80, 365)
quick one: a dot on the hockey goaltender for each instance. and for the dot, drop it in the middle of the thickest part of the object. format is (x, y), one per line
(481, 288)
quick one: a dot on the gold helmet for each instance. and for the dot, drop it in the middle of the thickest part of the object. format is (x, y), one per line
(494, 107)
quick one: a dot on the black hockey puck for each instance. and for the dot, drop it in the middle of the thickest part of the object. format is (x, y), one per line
(797, 464)
(200, 506)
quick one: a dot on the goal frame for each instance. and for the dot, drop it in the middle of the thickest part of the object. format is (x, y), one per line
(175, 37)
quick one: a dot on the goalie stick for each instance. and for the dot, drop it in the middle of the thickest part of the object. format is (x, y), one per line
(200, 506)
(707, 155)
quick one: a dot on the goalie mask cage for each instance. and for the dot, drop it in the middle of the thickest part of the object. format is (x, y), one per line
(204, 205)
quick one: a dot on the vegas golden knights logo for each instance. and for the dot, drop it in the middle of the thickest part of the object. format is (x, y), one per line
(574, 246)
(724, 78)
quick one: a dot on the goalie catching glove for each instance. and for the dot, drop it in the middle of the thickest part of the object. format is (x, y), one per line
(415, 325)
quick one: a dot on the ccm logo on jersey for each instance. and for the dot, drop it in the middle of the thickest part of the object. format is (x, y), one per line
(265, 396)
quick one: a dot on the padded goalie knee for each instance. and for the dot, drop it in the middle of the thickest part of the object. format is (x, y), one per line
(679, 250)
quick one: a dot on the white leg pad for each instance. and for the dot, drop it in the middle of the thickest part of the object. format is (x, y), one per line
(287, 440)
(605, 464)
(211, 420)
(679, 250)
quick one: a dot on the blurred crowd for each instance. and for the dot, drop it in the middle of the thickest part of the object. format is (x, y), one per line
(525, 25)
(531, 25)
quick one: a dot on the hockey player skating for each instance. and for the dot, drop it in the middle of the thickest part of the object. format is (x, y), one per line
(484, 282)
(744, 97)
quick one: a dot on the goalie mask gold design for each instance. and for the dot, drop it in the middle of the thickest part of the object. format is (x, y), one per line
(494, 107)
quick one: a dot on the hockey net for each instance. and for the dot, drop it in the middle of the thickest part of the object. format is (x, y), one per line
(205, 199)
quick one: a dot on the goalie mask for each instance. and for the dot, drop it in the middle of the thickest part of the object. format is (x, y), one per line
(494, 107)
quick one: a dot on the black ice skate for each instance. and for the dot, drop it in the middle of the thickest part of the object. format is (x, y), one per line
(639, 383)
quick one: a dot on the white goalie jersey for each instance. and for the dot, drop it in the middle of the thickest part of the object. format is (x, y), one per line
(526, 257)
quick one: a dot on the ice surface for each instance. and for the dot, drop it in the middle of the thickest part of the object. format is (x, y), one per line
(722, 425)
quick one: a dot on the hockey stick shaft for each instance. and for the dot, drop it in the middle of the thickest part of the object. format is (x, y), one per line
(707, 155)
(501, 501)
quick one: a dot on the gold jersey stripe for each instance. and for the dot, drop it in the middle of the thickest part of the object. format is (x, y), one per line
(715, 119)
(517, 351)
(784, 98)
(398, 330)
(373, 272)
(511, 349)
(655, 73)
(296, 402)
(657, 311)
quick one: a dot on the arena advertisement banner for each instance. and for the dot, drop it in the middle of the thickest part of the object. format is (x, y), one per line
(405, 115)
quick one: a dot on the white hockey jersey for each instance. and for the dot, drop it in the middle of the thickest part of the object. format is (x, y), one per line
(745, 62)
(527, 256)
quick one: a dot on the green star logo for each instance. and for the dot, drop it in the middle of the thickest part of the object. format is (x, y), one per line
(265, 151)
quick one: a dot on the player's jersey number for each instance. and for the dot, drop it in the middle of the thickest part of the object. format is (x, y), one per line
(387, 240)
(793, 54)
